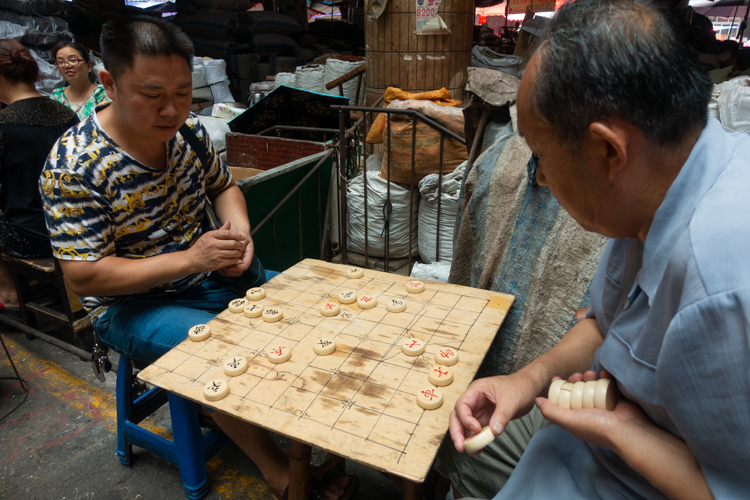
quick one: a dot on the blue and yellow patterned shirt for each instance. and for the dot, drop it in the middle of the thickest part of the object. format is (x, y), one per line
(100, 201)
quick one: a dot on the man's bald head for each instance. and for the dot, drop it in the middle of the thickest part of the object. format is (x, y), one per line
(623, 59)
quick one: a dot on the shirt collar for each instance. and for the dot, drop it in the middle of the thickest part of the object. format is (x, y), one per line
(707, 160)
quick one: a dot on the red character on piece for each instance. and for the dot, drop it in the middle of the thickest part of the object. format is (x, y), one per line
(446, 353)
(429, 394)
(278, 351)
(440, 372)
(329, 306)
(412, 283)
(366, 299)
(413, 343)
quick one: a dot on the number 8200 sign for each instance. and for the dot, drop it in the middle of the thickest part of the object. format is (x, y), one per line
(426, 11)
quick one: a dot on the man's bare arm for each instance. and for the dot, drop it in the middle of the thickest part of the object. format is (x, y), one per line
(122, 276)
(229, 204)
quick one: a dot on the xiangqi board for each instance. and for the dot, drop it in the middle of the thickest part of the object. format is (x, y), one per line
(360, 401)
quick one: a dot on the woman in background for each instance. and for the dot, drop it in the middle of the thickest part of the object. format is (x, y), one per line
(82, 95)
(29, 127)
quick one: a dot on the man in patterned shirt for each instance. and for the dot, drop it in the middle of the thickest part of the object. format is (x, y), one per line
(125, 197)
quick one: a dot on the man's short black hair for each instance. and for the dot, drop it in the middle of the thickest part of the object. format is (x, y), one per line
(121, 40)
(619, 58)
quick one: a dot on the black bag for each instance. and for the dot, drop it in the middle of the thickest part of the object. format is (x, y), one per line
(255, 275)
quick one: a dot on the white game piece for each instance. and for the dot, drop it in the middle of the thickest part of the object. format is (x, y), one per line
(279, 353)
(414, 286)
(429, 399)
(587, 401)
(235, 366)
(253, 310)
(563, 401)
(216, 389)
(237, 305)
(605, 396)
(354, 273)
(347, 297)
(272, 314)
(446, 356)
(395, 305)
(576, 396)
(479, 441)
(554, 391)
(440, 376)
(324, 347)
(413, 347)
(199, 332)
(329, 309)
(367, 302)
(255, 294)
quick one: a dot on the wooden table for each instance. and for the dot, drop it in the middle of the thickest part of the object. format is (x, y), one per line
(359, 402)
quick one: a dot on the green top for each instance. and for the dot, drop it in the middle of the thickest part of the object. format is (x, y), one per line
(99, 96)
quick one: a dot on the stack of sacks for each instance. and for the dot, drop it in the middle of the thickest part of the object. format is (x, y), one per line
(31, 22)
(228, 30)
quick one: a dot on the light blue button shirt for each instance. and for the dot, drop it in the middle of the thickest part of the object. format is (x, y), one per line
(675, 313)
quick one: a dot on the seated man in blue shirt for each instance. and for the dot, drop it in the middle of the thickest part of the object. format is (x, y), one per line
(614, 104)
(125, 196)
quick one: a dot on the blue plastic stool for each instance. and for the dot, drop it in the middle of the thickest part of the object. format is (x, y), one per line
(189, 451)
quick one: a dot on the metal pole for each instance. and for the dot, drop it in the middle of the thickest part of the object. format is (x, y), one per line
(85, 356)
(342, 186)
(299, 222)
(440, 192)
(387, 208)
(411, 181)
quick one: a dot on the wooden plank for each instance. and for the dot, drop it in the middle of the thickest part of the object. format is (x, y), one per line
(360, 401)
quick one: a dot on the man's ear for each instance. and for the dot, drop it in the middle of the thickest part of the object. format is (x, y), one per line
(612, 138)
(108, 82)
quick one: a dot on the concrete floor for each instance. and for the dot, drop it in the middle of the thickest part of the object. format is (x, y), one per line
(60, 443)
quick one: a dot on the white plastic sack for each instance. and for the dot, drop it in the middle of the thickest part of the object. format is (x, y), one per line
(216, 71)
(374, 162)
(506, 63)
(336, 68)
(287, 79)
(734, 105)
(439, 271)
(311, 78)
(201, 91)
(220, 92)
(199, 73)
(12, 31)
(428, 211)
(217, 130)
(50, 78)
(376, 203)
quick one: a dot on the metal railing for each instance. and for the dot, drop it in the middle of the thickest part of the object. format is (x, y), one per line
(347, 157)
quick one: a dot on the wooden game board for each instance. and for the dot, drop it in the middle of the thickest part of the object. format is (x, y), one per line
(360, 401)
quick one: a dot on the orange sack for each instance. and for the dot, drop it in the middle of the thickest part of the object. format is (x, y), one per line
(427, 139)
(442, 97)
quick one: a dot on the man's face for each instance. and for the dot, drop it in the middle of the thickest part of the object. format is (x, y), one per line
(569, 176)
(152, 98)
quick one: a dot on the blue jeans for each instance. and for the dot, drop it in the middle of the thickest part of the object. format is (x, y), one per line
(145, 327)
